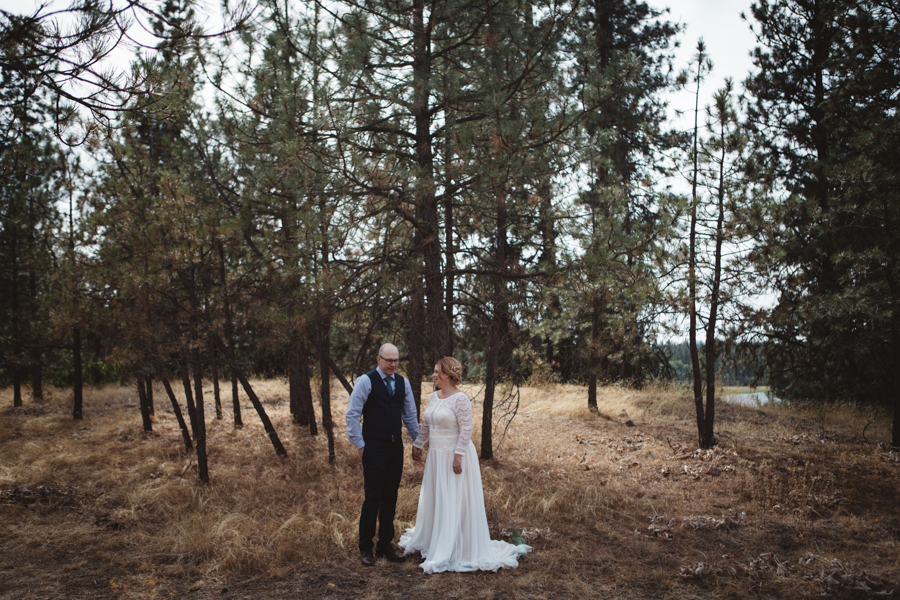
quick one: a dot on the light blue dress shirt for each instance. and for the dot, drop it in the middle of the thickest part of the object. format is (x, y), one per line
(358, 398)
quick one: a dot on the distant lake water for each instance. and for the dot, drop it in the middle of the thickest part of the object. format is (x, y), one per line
(754, 399)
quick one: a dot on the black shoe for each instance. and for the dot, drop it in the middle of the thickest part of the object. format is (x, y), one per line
(389, 553)
(366, 557)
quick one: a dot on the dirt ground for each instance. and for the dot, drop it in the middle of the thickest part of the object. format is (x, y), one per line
(791, 503)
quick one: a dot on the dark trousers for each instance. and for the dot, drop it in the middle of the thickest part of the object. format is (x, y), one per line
(382, 470)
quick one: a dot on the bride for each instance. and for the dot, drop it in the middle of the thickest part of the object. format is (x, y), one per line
(451, 530)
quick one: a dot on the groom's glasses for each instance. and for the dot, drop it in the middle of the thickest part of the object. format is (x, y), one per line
(390, 361)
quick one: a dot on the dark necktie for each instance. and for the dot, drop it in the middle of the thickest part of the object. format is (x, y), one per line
(389, 381)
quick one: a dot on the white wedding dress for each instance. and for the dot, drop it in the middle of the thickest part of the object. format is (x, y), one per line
(451, 528)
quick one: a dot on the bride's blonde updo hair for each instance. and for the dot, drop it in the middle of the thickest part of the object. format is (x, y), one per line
(452, 368)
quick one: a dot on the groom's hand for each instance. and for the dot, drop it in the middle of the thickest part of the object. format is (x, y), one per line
(361, 451)
(417, 454)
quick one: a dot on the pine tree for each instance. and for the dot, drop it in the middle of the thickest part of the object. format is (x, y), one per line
(823, 104)
(30, 173)
(621, 61)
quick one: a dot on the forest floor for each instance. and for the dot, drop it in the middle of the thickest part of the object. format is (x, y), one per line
(791, 503)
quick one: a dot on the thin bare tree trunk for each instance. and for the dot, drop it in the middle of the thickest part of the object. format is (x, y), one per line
(189, 397)
(324, 347)
(490, 385)
(416, 344)
(185, 434)
(497, 329)
(696, 374)
(37, 375)
(214, 365)
(228, 350)
(200, 432)
(149, 387)
(305, 387)
(254, 399)
(77, 398)
(594, 355)
(142, 401)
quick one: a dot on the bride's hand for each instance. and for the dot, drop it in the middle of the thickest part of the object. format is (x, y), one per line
(457, 464)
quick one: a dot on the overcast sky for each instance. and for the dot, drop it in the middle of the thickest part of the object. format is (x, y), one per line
(728, 41)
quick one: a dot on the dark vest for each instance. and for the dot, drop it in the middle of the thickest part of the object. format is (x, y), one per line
(382, 412)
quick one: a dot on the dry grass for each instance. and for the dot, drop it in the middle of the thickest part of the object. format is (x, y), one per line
(792, 503)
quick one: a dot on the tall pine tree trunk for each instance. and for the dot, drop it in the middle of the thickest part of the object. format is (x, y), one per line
(497, 330)
(449, 266)
(188, 394)
(711, 347)
(293, 367)
(37, 375)
(416, 344)
(214, 365)
(490, 385)
(200, 432)
(426, 198)
(77, 398)
(142, 401)
(306, 398)
(594, 354)
(324, 348)
(149, 387)
(229, 349)
(705, 439)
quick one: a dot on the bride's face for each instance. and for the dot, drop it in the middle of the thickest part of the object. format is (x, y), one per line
(440, 380)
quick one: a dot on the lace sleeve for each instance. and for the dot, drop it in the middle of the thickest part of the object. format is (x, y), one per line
(462, 407)
(423, 429)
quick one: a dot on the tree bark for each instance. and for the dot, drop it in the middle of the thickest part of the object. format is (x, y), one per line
(37, 375)
(497, 329)
(77, 397)
(149, 387)
(142, 401)
(267, 424)
(189, 398)
(298, 415)
(214, 365)
(594, 355)
(228, 350)
(185, 434)
(449, 266)
(336, 370)
(490, 384)
(711, 347)
(17, 386)
(299, 383)
(254, 399)
(416, 344)
(200, 432)
(704, 440)
(426, 199)
(306, 397)
(324, 347)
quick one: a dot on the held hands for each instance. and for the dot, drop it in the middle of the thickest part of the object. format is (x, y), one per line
(457, 464)
(417, 454)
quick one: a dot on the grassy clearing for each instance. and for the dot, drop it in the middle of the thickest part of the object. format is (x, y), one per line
(744, 389)
(793, 502)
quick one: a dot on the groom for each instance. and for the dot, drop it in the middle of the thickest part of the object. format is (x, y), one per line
(383, 399)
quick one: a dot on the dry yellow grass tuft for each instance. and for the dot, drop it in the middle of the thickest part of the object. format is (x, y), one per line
(619, 503)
